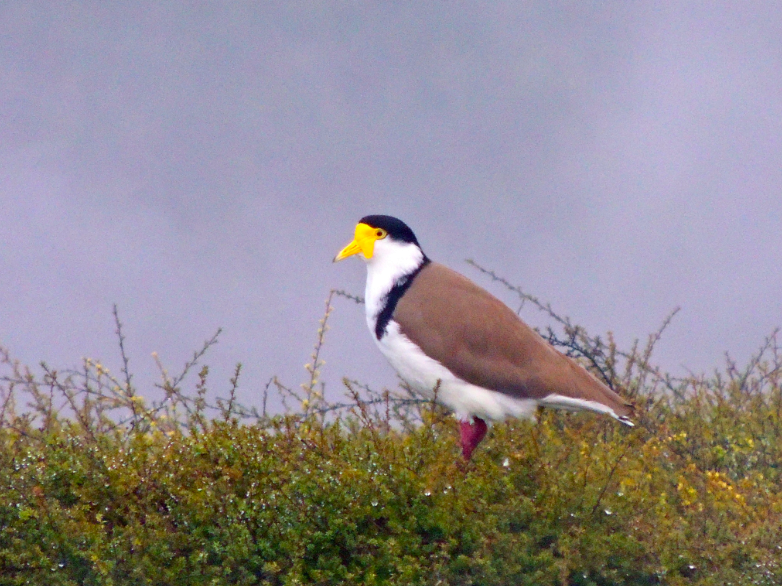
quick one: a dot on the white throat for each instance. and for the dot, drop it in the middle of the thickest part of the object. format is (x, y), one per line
(390, 261)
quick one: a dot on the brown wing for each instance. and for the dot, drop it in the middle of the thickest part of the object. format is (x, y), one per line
(482, 341)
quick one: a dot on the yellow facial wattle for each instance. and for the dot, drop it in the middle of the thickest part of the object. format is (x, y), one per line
(363, 242)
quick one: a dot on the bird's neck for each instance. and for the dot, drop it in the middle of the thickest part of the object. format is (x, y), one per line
(386, 270)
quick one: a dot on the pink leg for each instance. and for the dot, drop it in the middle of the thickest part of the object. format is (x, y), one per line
(472, 434)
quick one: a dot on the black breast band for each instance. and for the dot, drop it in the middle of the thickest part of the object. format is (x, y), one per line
(393, 297)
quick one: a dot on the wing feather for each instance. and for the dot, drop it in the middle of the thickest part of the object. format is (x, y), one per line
(482, 341)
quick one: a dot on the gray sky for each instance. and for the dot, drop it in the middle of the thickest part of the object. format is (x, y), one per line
(199, 164)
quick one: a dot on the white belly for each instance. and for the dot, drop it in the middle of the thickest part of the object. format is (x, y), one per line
(424, 375)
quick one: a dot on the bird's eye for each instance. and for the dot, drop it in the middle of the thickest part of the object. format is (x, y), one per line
(380, 233)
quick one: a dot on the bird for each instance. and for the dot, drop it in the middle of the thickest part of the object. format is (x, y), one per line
(452, 340)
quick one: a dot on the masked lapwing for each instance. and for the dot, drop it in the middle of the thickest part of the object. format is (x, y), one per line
(444, 334)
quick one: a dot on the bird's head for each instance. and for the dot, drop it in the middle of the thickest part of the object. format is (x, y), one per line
(383, 239)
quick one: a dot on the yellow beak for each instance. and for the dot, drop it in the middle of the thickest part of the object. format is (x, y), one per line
(363, 242)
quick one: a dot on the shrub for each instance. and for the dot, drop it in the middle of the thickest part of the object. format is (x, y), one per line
(100, 487)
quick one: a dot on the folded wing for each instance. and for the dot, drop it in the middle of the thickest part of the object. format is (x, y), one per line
(482, 341)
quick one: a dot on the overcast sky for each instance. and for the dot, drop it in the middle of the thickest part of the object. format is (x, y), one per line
(199, 165)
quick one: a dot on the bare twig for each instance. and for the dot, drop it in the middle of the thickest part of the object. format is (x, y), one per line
(123, 354)
(354, 298)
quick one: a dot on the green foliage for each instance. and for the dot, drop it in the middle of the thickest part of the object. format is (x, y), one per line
(374, 491)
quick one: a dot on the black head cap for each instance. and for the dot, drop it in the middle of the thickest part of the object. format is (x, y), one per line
(396, 228)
